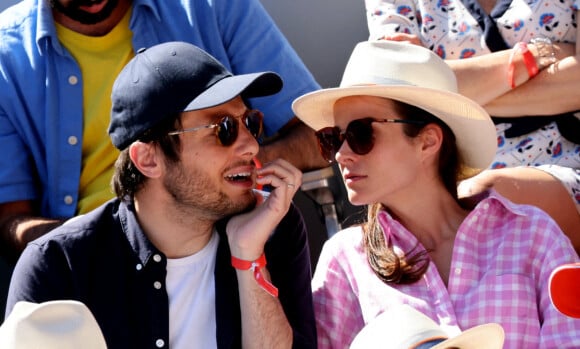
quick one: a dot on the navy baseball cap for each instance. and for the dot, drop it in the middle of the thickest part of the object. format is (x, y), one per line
(174, 77)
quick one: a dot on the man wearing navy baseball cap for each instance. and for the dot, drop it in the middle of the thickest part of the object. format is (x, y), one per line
(189, 254)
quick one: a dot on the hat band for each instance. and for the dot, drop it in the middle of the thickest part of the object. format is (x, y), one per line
(430, 343)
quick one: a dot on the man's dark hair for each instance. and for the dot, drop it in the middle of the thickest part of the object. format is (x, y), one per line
(127, 179)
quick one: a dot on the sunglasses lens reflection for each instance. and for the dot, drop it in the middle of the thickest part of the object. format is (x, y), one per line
(227, 131)
(329, 142)
(359, 136)
(253, 122)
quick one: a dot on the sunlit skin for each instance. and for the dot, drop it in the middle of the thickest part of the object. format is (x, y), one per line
(401, 173)
(212, 179)
(198, 190)
(389, 172)
(210, 182)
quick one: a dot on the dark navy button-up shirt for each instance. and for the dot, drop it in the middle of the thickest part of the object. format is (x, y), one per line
(104, 260)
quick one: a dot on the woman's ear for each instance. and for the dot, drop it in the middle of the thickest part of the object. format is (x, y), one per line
(431, 139)
(146, 158)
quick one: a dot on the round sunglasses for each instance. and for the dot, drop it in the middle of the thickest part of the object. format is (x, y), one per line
(227, 129)
(358, 135)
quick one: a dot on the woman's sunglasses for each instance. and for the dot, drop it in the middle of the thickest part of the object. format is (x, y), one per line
(358, 135)
(227, 129)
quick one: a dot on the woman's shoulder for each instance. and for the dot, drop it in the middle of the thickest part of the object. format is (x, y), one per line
(508, 218)
(346, 238)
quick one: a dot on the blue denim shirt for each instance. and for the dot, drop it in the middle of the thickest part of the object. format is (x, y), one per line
(104, 260)
(41, 108)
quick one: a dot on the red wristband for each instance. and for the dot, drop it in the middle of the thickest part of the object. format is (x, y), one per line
(529, 61)
(256, 267)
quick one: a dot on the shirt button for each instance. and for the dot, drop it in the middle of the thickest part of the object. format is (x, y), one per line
(157, 285)
(68, 199)
(457, 271)
(73, 80)
(139, 266)
(157, 258)
(160, 343)
(72, 140)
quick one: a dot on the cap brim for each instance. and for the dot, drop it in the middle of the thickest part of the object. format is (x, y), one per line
(473, 129)
(564, 286)
(246, 85)
(488, 336)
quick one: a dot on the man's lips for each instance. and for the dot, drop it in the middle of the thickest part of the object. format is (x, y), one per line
(241, 175)
(93, 8)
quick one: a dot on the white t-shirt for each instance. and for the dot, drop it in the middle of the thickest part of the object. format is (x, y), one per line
(191, 290)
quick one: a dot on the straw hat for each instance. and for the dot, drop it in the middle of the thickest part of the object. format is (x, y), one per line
(564, 286)
(62, 324)
(413, 75)
(404, 327)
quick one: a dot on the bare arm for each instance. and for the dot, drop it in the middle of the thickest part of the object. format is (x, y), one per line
(296, 144)
(19, 225)
(553, 91)
(484, 79)
(264, 323)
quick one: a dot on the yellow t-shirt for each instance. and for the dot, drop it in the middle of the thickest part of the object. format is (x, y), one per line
(100, 60)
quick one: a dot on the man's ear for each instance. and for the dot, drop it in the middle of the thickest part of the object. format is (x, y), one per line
(431, 139)
(145, 157)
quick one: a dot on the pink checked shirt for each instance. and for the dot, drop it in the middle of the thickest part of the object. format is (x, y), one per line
(502, 258)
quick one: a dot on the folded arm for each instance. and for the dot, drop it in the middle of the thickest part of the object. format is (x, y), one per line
(552, 91)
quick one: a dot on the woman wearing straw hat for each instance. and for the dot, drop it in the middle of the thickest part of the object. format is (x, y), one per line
(521, 61)
(403, 137)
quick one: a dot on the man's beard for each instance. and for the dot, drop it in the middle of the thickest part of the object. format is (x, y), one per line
(192, 191)
(72, 10)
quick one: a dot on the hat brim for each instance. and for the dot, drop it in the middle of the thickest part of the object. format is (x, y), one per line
(473, 129)
(246, 85)
(564, 287)
(488, 336)
(51, 324)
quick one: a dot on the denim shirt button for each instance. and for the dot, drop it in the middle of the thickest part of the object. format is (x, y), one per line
(68, 199)
(73, 80)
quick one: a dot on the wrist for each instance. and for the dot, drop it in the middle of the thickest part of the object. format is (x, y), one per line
(256, 266)
(545, 53)
(527, 58)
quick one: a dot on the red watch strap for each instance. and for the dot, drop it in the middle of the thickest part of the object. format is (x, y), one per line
(529, 61)
(256, 267)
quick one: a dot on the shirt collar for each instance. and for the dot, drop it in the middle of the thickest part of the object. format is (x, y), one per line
(139, 242)
(401, 239)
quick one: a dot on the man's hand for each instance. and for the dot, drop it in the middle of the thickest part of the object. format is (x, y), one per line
(248, 232)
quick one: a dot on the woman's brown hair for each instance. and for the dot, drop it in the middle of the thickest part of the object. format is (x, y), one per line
(410, 267)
